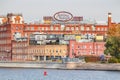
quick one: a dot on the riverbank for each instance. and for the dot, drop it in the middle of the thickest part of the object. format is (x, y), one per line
(65, 66)
(95, 66)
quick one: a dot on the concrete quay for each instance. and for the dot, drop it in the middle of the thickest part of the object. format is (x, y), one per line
(31, 65)
(65, 66)
(94, 66)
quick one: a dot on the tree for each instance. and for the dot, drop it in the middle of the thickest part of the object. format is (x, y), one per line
(113, 42)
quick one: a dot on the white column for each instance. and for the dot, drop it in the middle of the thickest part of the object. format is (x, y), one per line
(44, 58)
(38, 58)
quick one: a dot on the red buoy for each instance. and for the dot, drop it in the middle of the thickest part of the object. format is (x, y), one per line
(45, 73)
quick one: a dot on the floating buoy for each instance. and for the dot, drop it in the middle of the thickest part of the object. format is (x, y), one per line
(45, 73)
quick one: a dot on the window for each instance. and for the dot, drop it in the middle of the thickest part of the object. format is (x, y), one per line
(93, 28)
(82, 28)
(72, 28)
(105, 29)
(87, 29)
(16, 27)
(60, 51)
(85, 46)
(21, 28)
(102, 29)
(96, 47)
(32, 28)
(39, 28)
(56, 51)
(56, 28)
(72, 45)
(67, 29)
(39, 51)
(5, 29)
(76, 28)
(98, 29)
(42, 28)
(51, 28)
(46, 28)
(90, 47)
(28, 28)
(62, 27)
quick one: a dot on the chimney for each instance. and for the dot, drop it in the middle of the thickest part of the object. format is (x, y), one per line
(109, 19)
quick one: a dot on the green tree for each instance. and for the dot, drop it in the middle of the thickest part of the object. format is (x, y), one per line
(113, 42)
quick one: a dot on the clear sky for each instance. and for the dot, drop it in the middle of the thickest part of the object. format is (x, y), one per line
(34, 10)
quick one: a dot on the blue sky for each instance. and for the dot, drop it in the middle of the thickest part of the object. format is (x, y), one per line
(34, 10)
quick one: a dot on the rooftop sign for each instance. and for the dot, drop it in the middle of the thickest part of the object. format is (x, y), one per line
(63, 16)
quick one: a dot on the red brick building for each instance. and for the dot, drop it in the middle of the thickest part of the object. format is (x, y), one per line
(86, 48)
(13, 28)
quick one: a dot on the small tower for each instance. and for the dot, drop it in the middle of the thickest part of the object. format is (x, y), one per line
(109, 19)
(15, 18)
(3, 19)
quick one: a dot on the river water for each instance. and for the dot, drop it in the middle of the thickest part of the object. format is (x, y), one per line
(53, 74)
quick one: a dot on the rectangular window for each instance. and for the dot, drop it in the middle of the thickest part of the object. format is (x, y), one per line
(28, 28)
(93, 28)
(98, 29)
(72, 28)
(56, 28)
(16, 27)
(105, 29)
(51, 28)
(87, 29)
(102, 29)
(76, 28)
(82, 28)
(32, 28)
(90, 47)
(67, 28)
(42, 28)
(39, 28)
(60, 50)
(56, 51)
(5, 29)
(46, 28)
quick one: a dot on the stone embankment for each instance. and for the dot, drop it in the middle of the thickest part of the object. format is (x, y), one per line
(93, 66)
(66, 66)
(32, 65)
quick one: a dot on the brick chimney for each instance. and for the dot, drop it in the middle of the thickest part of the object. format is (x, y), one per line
(109, 19)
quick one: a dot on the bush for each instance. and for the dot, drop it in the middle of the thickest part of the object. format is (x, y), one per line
(86, 59)
(119, 60)
(103, 62)
(92, 59)
(113, 60)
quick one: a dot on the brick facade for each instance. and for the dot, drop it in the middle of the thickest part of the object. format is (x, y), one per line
(86, 48)
(14, 28)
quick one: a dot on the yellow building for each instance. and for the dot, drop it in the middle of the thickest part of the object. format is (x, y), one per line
(48, 52)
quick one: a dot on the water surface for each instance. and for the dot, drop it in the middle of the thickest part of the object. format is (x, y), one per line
(53, 74)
